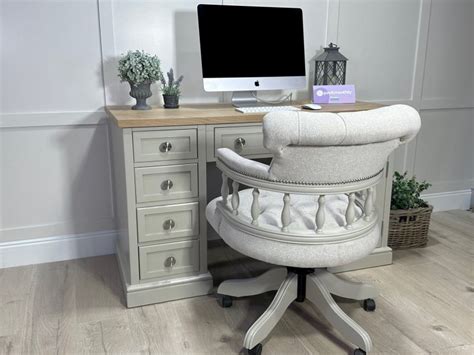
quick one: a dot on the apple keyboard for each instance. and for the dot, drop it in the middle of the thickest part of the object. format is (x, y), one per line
(257, 109)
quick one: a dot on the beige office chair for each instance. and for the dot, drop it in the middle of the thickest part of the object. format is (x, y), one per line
(311, 209)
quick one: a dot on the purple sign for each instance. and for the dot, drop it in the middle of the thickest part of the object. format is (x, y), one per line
(334, 94)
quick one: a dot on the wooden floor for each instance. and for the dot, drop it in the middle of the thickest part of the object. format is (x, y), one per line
(426, 306)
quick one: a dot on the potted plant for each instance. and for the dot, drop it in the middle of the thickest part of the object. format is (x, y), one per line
(140, 70)
(409, 214)
(171, 91)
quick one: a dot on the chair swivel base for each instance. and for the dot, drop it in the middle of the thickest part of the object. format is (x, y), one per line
(300, 284)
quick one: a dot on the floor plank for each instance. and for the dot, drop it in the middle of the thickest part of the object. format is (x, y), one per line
(426, 306)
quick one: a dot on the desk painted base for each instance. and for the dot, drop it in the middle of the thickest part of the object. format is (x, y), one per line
(380, 256)
(163, 290)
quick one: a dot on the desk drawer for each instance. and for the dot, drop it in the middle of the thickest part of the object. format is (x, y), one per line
(247, 140)
(167, 222)
(162, 183)
(169, 259)
(165, 145)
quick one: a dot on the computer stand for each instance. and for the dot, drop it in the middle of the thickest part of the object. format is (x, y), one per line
(249, 99)
(246, 99)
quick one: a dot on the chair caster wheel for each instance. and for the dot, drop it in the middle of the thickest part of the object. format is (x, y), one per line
(224, 301)
(256, 350)
(369, 305)
(359, 351)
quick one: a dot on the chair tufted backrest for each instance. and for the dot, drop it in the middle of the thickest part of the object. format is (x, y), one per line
(335, 148)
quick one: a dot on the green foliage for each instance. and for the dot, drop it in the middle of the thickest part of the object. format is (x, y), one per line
(406, 192)
(172, 87)
(139, 67)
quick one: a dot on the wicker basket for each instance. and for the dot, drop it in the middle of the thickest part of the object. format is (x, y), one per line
(409, 228)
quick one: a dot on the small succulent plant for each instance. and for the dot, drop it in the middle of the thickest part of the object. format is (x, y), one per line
(172, 86)
(139, 67)
(406, 192)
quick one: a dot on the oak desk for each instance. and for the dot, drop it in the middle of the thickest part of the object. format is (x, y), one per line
(161, 190)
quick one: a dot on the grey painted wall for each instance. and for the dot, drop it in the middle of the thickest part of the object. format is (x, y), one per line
(58, 71)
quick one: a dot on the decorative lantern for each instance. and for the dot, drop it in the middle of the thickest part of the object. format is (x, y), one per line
(330, 67)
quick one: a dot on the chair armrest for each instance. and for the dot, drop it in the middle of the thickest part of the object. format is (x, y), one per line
(243, 165)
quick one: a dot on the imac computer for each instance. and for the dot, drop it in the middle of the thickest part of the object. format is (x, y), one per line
(250, 48)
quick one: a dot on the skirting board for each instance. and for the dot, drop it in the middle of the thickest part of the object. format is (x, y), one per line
(58, 248)
(67, 247)
(450, 200)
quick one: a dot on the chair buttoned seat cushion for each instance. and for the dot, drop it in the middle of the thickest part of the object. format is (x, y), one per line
(303, 209)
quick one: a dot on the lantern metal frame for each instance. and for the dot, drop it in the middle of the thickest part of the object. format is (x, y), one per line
(330, 67)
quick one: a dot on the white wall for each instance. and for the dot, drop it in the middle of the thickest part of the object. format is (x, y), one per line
(55, 176)
(58, 70)
(419, 53)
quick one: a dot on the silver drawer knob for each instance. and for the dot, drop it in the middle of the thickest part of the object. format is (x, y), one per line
(239, 143)
(168, 224)
(170, 261)
(165, 147)
(166, 185)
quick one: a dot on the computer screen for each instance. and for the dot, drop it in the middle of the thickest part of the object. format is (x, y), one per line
(251, 42)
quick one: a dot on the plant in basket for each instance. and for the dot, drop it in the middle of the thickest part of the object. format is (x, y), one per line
(410, 214)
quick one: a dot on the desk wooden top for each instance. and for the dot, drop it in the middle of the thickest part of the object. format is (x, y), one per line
(205, 114)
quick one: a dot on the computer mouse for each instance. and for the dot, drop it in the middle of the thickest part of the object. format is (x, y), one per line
(311, 107)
